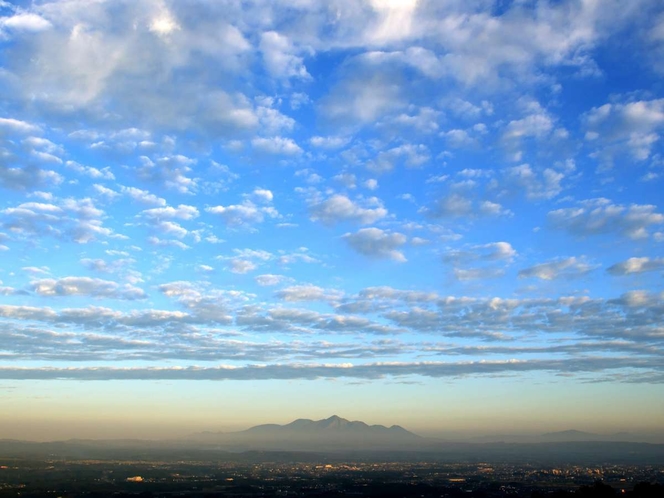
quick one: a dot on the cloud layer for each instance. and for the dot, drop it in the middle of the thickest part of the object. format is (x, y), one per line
(321, 190)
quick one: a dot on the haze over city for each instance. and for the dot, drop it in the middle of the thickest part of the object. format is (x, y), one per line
(442, 215)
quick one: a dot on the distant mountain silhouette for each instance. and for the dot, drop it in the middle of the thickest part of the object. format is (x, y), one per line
(338, 439)
(330, 433)
(574, 436)
(334, 424)
(571, 435)
(568, 436)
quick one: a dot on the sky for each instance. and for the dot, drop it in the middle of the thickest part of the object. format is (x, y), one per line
(446, 215)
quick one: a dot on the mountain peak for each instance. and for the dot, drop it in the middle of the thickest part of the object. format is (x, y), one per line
(569, 432)
(334, 432)
(332, 425)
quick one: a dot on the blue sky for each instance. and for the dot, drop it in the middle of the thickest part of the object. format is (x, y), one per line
(365, 205)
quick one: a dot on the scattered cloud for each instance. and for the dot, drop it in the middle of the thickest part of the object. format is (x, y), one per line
(85, 286)
(493, 251)
(276, 145)
(180, 182)
(377, 244)
(339, 208)
(457, 205)
(601, 216)
(308, 293)
(245, 214)
(268, 280)
(78, 220)
(632, 127)
(560, 268)
(636, 265)
(534, 185)
(182, 212)
(319, 371)
(280, 57)
(143, 197)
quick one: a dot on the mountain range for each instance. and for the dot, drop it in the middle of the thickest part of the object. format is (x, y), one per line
(338, 438)
(568, 436)
(335, 433)
(304, 434)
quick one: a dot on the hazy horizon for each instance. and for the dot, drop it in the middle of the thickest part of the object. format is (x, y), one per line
(442, 215)
(160, 428)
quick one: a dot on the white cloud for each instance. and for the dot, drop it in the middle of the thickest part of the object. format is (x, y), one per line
(90, 61)
(362, 98)
(18, 172)
(78, 220)
(560, 268)
(49, 149)
(412, 156)
(169, 171)
(600, 216)
(308, 293)
(647, 371)
(466, 274)
(424, 120)
(244, 214)
(618, 127)
(269, 279)
(276, 145)
(377, 243)
(143, 196)
(85, 286)
(279, 57)
(246, 260)
(171, 229)
(25, 21)
(102, 266)
(156, 241)
(105, 192)
(395, 21)
(636, 265)
(494, 251)
(298, 100)
(419, 241)
(458, 139)
(467, 110)
(545, 184)
(348, 180)
(331, 142)
(241, 266)
(273, 121)
(371, 184)
(17, 126)
(262, 195)
(299, 256)
(457, 205)
(254, 254)
(7, 291)
(34, 270)
(182, 212)
(534, 125)
(91, 172)
(339, 208)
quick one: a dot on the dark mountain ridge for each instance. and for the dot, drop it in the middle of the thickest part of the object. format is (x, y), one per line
(304, 434)
(333, 424)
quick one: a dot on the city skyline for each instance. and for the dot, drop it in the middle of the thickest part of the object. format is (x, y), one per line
(441, 215)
